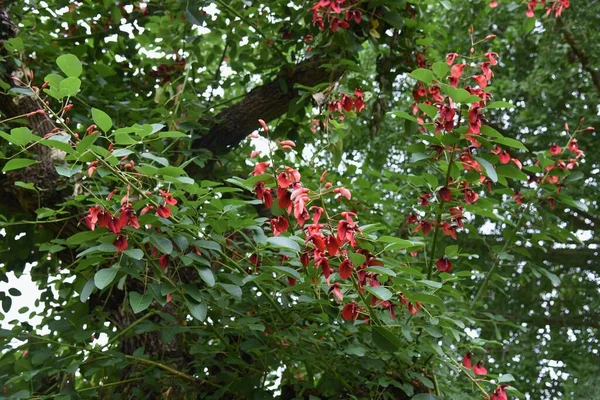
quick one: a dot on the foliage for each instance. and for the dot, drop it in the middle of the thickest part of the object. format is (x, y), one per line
(396, 229)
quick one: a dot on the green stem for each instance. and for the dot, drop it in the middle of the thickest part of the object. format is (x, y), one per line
(438, 220)
(133, 325)
(494, 266)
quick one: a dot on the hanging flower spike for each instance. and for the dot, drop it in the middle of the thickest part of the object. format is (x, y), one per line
(120, 243)
(444, 265)
(479, 369)
(467, 360)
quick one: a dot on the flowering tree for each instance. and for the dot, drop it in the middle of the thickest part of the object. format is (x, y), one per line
(270, 199)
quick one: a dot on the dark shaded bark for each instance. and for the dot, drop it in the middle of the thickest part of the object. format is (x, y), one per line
(267, 102)
(582, 56)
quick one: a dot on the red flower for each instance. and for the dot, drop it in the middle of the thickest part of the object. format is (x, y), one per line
(470, 196)
(555, 149)
(493, 4)
(424, 199)
(444, 265)
(168, 197)
(164, 261)
(344, 192)
(345, 270)
(467, 360)
(499, 393)
(333, 246)
(445, 194)
(479, 369)
(163, 211)
(120, 243)
(279, 225)
(450, 57)
(146, 209)
(573, 146)
(455, 73)
(412, 219)
(414, 309)
(492, 57)
(261, 167)
(336, 291)
(350, 311)
(425, 226)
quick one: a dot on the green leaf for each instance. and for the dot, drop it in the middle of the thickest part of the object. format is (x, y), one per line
(18, 163)
(163, 244)
(291, 272)
(83, 237)
(208, 244)
(380, 270)
(427, 299)
(511, 143)
(197, 311)
(380, 292)
(139, 302)
(511, 172)
(87, 290)
(500, 104)
(283, 242)
(385, 339)
(489, 131)
(233, 290)
(70, 65)
(104, 277)
(489, 169)
(161, 160)
(431, 111)
(505, 378)
(207, 276)
(63, 170)
(357, 258)
(26, 185)
(102, 119)
(440, 69)
(405, 115)
(69, 87)
(21, 136)
(136, 254)
(460, 95)
(423, 75)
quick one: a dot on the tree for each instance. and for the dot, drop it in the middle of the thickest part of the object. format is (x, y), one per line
(327, 199)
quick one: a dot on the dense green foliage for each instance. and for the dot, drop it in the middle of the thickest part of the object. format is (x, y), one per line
(457, 216)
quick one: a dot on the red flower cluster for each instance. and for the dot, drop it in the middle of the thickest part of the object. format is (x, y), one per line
(347, 104)
(325, 241)
(478, 368)
(102, 218)
(331, 11)
(557, 7)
